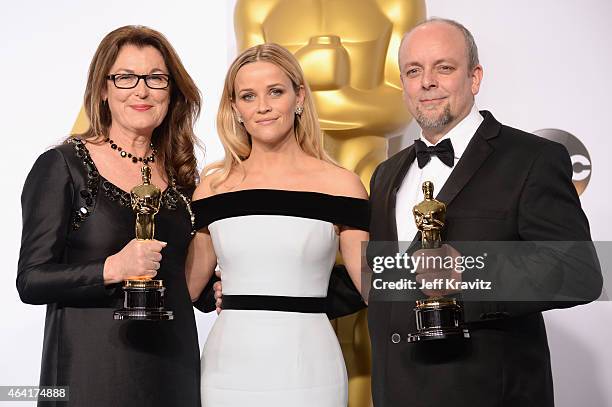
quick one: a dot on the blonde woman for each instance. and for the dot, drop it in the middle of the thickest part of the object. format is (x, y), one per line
(272, 215)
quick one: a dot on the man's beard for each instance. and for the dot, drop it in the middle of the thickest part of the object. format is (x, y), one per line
(441, 120)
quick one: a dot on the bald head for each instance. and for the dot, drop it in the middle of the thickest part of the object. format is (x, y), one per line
(471, 50)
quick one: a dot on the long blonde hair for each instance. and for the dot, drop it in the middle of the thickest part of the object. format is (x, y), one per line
(174, 137)
(233, 135)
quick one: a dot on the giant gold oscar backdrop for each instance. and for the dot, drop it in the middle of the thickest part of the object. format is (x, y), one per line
(348, 51)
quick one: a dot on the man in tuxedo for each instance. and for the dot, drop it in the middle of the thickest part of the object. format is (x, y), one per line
(499, 184)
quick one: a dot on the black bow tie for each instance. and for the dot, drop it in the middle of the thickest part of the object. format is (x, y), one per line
(444, 151)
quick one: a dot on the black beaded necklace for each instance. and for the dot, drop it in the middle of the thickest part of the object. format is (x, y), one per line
(125, 154)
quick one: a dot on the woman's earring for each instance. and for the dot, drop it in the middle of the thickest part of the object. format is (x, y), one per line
(299, 110)
(239, 118)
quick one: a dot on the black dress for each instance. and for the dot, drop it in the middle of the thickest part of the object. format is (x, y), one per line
(72, 220)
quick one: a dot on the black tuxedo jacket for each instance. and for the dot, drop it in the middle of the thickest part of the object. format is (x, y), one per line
(508, 186)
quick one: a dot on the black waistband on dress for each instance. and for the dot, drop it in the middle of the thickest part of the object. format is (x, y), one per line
(312, 305)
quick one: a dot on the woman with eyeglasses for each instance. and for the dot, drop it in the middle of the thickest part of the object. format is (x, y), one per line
(78, 243)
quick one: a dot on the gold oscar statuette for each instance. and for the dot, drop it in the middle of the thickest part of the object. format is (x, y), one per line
(429, 216)
(436, 317)
(144, 297)
(146, 200)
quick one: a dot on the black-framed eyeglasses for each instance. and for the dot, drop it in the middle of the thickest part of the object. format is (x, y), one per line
(130, 80)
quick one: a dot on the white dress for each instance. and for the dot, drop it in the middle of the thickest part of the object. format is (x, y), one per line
(273, 345)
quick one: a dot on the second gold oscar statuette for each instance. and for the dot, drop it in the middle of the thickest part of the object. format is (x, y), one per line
(436, 317)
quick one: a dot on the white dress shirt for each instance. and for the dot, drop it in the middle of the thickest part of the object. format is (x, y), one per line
(410, 192)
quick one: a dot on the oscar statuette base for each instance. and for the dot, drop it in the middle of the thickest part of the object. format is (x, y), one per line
(143, 300)
(439, 318)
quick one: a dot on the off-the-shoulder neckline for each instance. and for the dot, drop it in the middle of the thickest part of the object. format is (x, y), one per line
(338, 209)
(272, 190)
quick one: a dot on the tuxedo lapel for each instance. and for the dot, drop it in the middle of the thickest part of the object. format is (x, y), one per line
(474, 155)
